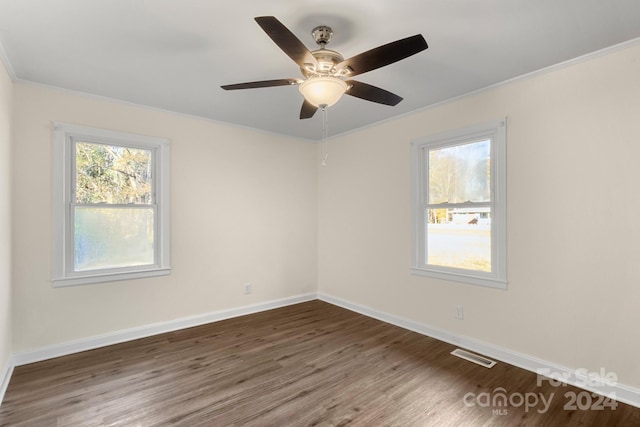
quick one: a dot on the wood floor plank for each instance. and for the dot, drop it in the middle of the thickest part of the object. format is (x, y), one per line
(310, 364)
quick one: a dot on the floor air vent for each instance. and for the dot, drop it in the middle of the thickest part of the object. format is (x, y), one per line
(471, 357)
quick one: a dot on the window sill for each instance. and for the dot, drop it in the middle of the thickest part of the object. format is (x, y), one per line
(109, 277)
(489, 282)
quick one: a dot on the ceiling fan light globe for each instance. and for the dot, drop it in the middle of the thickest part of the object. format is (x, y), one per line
(323, 90)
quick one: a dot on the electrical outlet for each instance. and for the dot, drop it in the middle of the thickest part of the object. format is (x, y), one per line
(459, 312)
(247, 288)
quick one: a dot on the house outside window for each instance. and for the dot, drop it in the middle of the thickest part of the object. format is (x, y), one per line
(459, 205)
(111, 206)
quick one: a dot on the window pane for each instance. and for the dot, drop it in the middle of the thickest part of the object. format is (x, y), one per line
(113, 237)
(112, 174)
(459, 238)
(460, 173)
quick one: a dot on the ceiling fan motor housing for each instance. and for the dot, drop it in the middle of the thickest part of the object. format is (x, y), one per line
(327, 60)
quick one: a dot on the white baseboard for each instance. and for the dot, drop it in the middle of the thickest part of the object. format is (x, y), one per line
(70, 347)
(5, 377)
(576, 377)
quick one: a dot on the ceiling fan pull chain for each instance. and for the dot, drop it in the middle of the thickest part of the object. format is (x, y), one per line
(325, 152)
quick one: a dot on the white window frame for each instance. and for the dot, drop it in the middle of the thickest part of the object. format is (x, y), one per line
(64, 139)
(495, 131)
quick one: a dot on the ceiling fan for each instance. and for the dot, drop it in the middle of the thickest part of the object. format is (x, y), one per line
(328, 74)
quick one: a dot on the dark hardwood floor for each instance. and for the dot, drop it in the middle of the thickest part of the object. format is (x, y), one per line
(311, 364)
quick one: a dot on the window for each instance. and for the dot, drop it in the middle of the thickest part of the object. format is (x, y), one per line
(111, 206)
(459, 206)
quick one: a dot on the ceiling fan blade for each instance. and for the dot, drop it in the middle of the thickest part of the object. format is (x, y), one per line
(308, 110)
(384, 55)
(286, 40)
(371, 93)
(262, 83)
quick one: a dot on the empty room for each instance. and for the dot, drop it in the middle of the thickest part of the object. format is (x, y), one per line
(329, 213)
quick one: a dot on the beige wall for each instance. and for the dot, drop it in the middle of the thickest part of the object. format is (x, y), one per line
(243, 209)
(6, 105)
(573, 150)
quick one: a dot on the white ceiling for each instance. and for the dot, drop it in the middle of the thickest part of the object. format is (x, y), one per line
(175, 54)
